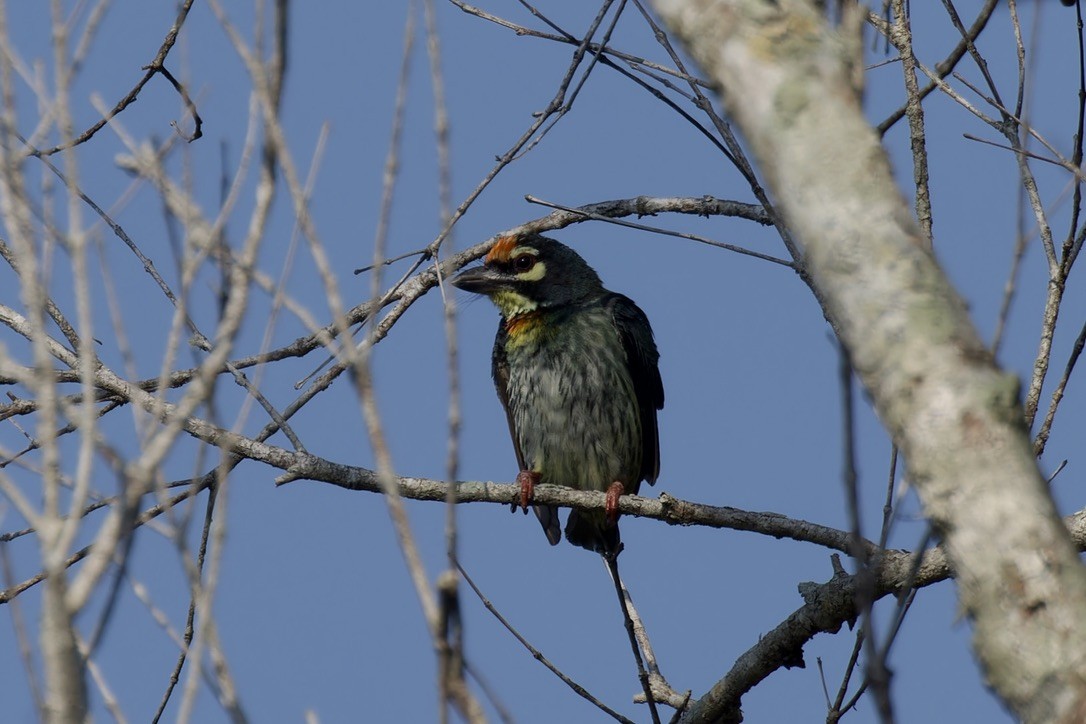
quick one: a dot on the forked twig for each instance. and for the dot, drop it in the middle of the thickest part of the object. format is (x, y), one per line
(611, 560)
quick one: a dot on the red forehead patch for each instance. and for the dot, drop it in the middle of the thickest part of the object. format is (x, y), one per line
(501, 250)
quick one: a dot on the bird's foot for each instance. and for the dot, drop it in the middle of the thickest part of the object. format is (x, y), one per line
(527, 480)
(611, 506)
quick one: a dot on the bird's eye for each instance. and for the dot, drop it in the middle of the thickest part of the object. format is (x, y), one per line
(524, 262)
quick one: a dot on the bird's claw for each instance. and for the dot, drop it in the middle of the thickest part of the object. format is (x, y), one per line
(527, 480)
(611, 506)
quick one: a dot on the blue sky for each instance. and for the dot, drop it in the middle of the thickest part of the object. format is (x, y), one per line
(314, 606)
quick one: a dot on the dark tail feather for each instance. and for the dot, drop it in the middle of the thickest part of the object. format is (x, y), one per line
(548, 518)
(591, 531)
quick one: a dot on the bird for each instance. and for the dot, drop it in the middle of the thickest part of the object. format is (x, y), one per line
(576, 369)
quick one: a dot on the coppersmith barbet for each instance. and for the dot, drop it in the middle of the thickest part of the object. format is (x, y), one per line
(575, 366)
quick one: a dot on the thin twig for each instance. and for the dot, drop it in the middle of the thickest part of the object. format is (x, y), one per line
(902, 36)
(943, 68)
(1041, 439)
(538, 655)
(666, 232)
(175, 674)
(155, 66)
(611, 561)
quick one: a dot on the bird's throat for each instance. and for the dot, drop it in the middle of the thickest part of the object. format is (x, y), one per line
(513, 304)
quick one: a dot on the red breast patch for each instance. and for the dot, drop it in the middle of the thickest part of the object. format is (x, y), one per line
(522, 323)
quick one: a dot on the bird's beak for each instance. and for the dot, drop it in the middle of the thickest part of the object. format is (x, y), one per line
(478, 280)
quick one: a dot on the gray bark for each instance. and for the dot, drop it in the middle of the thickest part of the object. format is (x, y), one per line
(787, 81)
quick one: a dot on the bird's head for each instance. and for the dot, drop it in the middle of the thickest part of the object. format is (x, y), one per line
(527, 273)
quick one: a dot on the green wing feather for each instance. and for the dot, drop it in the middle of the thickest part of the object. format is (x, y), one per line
(643, 358)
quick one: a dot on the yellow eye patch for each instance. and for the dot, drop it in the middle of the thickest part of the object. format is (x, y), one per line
(537, 271)
(522, 261)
